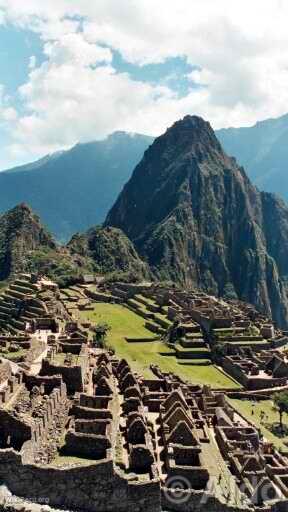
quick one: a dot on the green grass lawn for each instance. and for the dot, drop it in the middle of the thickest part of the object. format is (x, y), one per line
(245, 408)
(14, 356)
(124, 322)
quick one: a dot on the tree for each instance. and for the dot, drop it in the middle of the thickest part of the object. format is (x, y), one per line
(100, 334)
(219, 351)
(281, 405)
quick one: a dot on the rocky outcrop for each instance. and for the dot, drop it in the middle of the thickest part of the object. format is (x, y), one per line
(110, 251)
(192, 212)
(20, 233)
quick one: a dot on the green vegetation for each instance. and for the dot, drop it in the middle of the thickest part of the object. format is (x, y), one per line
(111, 252)
(140, 355)
(266, 422)
(20, 233)
(14, 356)
(58, 265)
(281, 405)
(100, 334)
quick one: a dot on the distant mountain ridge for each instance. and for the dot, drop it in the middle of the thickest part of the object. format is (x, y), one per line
(263, 151)
(73, 190)
(196, 218)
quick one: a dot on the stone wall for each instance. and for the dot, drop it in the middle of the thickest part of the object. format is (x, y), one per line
(87, 446)
(49, 382)
(13, 431)
(37, 348)
(73, 376)
(96, 487)
(251, 382)
(5, 372)
(7, 390)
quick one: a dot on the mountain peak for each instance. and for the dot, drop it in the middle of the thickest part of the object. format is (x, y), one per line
(22, 208)
(193, 214)
(190, 135)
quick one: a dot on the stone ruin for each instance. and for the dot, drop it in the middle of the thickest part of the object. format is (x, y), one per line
(83, 429)
(125, 432)
(201, 329)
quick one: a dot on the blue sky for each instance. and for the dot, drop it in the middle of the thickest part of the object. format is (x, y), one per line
(17, 46)
(22, 49)
(76, 70)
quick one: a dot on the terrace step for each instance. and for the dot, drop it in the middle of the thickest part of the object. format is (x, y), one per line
(21, 289)
(119, 293)
(17, 323)
(5, 309)
(16, 294)
(192, 343)
(8, 297)
(190, 329)
(154, 308)
(4, 316)
(151, 326)
(194, 362)
(138, 310)
(202, 353)
(163, 322)
(26, 284)
(30, 315)
(38, 311)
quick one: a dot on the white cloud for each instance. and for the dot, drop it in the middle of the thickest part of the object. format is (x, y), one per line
(75, 50)
(239, 47)
(7, 112)
(32, 62)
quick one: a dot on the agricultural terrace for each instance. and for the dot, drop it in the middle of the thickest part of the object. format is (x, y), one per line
(125, 323)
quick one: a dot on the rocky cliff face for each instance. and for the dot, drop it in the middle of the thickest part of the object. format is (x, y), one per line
(20, 233)
(110, 251)
(194, 215)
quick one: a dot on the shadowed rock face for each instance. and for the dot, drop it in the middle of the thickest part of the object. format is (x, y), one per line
(20, 233)
(192, 212)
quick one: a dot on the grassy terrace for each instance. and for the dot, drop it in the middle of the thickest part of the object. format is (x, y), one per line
(14, 356)
(145, 299)
(140, 355)
(252, 413)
